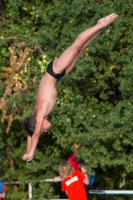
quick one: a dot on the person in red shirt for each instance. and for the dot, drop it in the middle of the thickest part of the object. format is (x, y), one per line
(72, 158)
(75, 165)
(73, 181)
(3, 194)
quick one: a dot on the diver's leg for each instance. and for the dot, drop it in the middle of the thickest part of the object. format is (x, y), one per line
(69, 57)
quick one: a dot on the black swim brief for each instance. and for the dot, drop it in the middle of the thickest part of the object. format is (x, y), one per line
(51, 72)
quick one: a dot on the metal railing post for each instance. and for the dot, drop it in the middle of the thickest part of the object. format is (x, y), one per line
(30, 190)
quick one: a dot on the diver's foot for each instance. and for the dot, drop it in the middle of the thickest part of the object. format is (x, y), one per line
(106, 21)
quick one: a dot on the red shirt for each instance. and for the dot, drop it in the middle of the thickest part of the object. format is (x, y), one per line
(74, 186)
(73, 161)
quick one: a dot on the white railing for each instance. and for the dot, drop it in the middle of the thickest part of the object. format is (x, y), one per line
(102, 192)
(30, 186)
(121, 192)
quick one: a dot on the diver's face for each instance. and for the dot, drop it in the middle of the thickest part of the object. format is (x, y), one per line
(46, 125)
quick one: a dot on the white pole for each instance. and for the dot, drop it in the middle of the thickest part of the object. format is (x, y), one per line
(52, 180)
(124, 192)
(30, 190)
(45, 180)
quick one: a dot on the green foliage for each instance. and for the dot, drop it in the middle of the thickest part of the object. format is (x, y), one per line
(94, 104)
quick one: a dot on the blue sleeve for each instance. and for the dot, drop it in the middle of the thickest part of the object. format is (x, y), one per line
(1, 187)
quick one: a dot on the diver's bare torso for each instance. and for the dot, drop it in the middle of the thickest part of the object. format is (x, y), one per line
(46, 94)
